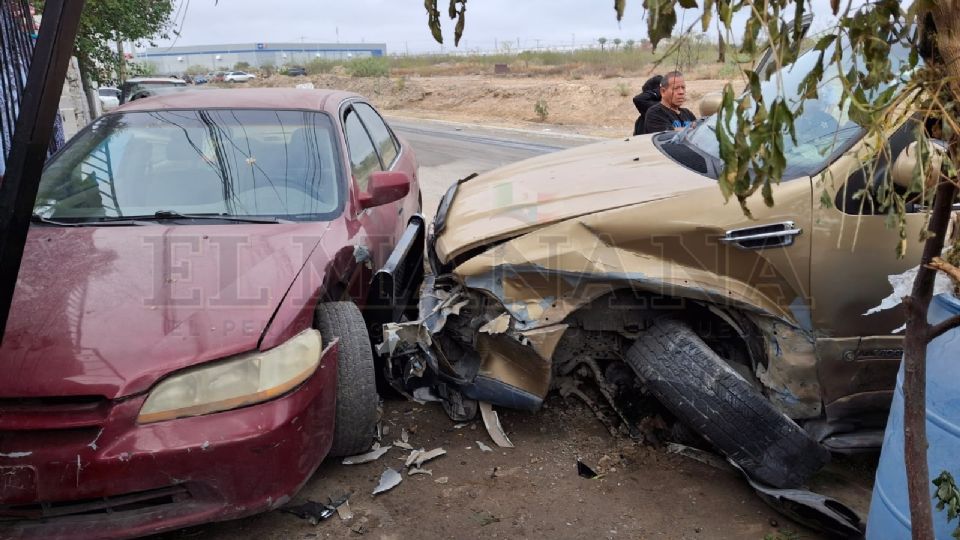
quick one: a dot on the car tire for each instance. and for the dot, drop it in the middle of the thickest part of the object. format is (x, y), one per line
(705, 393)
(357, 400)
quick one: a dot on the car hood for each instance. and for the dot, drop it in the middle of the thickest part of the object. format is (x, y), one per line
(515, 199)
(109, 310)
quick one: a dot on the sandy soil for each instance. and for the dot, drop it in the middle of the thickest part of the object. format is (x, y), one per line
(531, 491)
(591, 106)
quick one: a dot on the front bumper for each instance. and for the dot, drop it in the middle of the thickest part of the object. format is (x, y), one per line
(132, 480)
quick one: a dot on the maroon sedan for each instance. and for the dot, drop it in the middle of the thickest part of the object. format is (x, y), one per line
(188, 339)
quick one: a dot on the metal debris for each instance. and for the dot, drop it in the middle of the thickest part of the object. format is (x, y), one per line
(374, 454)
(483, 447)
(492, 422)
(585, 471)
(388, 480)
(417, 470)
(427, 456)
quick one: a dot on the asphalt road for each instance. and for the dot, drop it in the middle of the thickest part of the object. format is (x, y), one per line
(450, 151)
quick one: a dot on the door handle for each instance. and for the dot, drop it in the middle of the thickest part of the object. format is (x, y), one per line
(771, 235)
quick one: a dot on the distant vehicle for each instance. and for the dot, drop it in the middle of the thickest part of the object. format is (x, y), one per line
(217, 76)
(238, 76)
(296, 72)
(109, 98)
(271, 205)
(200, 79)
(141, 87)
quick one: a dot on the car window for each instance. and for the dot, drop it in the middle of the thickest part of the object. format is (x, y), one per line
(236, 162)
(363, 156)
(382, 138)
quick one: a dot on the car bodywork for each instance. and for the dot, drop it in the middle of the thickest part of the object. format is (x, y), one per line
(561, 261)
(103, 314)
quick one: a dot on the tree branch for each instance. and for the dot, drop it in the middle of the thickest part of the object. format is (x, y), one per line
(944, 327)
(939, 264)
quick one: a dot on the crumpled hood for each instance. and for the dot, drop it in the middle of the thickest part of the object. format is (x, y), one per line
(547, 189)
(109, 310)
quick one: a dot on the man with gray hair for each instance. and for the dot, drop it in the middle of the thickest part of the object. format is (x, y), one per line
(669, 113)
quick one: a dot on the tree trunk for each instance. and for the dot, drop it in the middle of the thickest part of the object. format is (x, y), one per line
(121, 63)
(946, 17)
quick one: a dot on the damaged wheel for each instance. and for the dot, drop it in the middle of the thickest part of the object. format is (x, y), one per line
(357, 400)
(698, 386)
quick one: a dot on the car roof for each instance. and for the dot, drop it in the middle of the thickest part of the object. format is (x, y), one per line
(244, 98)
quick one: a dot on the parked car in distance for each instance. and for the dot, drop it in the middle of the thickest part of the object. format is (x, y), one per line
(296, 71)
(206, 265)
(217, 76)
(238, 76)
(142, 87)
(200, 79)
(109, 98)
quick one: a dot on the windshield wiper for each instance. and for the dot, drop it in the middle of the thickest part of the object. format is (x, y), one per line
(172, 214)
(120, 222)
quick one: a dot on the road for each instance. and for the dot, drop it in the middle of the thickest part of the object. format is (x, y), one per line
(449, 151)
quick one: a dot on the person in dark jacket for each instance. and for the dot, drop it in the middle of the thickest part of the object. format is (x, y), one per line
(669, 113)
(648, 97)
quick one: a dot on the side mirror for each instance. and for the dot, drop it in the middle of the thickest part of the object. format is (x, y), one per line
(385, 187)
(710, 104)
(906, 163)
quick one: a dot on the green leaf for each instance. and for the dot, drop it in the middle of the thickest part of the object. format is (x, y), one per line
(619, 6)
(688, 4)
(433, 19)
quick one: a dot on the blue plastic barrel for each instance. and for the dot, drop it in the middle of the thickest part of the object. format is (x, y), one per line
(889, 508)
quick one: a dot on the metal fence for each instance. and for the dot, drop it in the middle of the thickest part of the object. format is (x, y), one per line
(17, 34)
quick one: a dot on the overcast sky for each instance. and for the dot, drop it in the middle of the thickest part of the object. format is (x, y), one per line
(401, 24)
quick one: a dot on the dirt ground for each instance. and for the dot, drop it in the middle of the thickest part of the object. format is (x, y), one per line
(589, 106)
(530, 491)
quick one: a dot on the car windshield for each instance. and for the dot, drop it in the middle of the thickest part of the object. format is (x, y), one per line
(241, 162)
(823, 129)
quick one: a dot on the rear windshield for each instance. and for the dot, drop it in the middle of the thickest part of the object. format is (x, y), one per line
(235, 162)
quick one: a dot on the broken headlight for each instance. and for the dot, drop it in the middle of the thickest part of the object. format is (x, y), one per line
(235, 382)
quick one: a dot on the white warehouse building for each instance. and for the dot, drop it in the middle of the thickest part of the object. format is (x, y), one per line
(176, 60)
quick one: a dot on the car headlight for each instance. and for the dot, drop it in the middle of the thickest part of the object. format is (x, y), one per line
(235, 382)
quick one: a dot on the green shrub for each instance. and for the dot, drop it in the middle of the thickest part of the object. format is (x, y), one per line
(368, 67)
(623, 89)
(540, 108)
(319, 65)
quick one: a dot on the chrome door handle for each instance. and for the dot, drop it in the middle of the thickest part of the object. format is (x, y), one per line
(771, 235)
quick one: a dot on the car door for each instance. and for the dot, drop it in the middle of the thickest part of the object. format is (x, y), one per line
(393, 158)
(853, 253)
(378, 223)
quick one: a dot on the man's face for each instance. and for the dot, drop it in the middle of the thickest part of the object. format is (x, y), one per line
(675, 94)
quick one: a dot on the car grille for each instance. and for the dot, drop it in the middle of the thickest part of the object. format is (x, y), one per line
(43, 422)
(151, 499)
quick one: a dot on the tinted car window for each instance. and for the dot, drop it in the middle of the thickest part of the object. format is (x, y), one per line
(378, 131)
(363, 157)
(235, 162)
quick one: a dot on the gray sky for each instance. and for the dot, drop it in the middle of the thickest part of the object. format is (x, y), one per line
(401, 24)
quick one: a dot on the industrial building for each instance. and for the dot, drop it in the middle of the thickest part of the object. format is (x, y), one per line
(173, 60)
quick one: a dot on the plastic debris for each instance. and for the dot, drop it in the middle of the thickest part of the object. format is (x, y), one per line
(404, 435)
(483, 447)
(412, 458)
(492, 422)
(442, 480)
(462, 425)
(314, 511)
(388, 480)
(497, 326)
(585, 471)
(374, 454)
(401, 444)
(344, 511)
(427, 456)
(417, 470)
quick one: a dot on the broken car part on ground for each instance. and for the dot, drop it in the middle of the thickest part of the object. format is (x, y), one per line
(614, 273)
